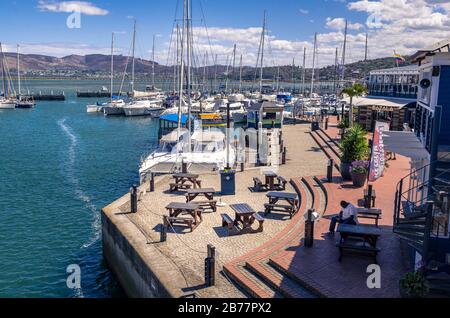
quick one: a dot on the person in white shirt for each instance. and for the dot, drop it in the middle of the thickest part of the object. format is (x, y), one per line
(348, 215)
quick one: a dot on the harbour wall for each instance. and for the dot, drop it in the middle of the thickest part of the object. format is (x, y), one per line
(142, 271)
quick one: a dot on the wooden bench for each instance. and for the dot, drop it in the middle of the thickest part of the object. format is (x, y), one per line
(258, 185)
(354, 245)
(260, 220)
(275, 198)
(282, 182)
(278, 208)
(176, 187)
(228, 222)
(182, 221)
(211, 204)
(371, 214)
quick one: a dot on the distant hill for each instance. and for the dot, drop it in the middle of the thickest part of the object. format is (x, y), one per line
(97, 63)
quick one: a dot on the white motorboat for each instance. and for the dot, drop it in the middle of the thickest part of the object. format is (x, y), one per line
(144, 108)
(96, 108)
(114, 108)
(237, 111)
(8, 104)
(208, 152)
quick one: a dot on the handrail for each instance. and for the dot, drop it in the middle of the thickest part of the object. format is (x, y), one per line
(421, 169)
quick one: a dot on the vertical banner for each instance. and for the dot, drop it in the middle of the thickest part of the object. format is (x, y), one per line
(377, 161)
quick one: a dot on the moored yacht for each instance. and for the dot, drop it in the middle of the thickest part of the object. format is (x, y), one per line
(144, 108)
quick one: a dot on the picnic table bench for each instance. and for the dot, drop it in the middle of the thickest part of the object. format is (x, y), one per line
(270, 179)
(371, 214)
(245, 218)
(185, 181)
(358, 238)
(193, 211)
(275, 197)
(368, 204)
(208, 193)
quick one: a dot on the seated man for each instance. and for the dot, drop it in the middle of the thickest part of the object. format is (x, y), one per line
(348, 215)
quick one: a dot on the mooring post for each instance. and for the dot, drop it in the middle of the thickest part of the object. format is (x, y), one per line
(330, 170)
(284, 156)
(134, 199)
(326, 123)
(183, 167)
(242, 166)
(210, 266)
(309, 229)
(164, 227)
(369, 196)
(152, 182)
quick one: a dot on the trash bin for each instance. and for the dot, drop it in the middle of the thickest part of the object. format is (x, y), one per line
(315, 126)
(228, 182)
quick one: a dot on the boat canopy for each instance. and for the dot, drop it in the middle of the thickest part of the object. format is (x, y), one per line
(173, 137)
(208, 136)
(174, 118)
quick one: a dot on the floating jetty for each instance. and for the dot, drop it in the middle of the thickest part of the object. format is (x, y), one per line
(47, 97)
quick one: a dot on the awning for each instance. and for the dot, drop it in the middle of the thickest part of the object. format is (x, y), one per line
(390, 103)
(405, 144)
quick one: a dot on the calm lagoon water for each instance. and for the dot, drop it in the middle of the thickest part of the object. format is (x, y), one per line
(58, 167)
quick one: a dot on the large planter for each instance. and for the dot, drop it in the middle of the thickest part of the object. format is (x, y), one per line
(359, 179)
(345, 170)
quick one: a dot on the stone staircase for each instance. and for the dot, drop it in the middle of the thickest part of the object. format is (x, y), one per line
(328, 145)
(254, 271)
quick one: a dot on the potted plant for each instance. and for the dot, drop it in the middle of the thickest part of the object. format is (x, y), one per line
(414, 285)
(359, 171)
(354, 147)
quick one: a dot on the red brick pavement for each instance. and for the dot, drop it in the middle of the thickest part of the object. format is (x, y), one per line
(318, 267)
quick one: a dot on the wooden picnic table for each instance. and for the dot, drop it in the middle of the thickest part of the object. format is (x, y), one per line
(275, 197)
(182, 180)
(191, 209)
(208, 193)
(372, 214)
(359, 238)
(244, 219)
(270, 179)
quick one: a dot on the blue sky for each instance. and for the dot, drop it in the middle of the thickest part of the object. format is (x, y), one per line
(404, 25)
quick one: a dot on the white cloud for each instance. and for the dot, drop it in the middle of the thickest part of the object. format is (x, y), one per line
(304, 11)
(83, 7)
(339, 24)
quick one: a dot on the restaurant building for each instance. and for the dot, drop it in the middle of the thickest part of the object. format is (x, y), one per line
(391, 98)
(422, 202)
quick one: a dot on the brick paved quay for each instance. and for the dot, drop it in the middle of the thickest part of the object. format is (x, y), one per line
(184, 253)
(269, 264)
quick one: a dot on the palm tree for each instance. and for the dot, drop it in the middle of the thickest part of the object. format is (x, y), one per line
(356, 90)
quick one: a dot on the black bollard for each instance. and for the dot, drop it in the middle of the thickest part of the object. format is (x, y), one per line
(330, 170)
(210, 266)
(326, 123)
(134, 199)
(242, 167)
(369, 196)
(164, 227)
(309, 229)
(284, 156)
(152, 182)
(183, 167)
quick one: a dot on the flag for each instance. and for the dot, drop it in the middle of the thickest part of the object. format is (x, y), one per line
(398, 58)
(377, 161)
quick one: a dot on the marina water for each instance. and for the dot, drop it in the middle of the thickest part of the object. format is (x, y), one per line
(58, 167)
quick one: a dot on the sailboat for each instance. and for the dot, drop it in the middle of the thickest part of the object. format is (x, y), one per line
(200, 150)
(115, 106)
(6, 100)
(22, 101)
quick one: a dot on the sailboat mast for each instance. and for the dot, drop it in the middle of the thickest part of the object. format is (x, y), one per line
(240, 75)
(18, 70)
(278, 79)
(134, 54)
(215, 73)
(344, 53)
(3, 70)
(293, 76)
(112, 66)
(335, 75)
(153, 62)
(367, 46)
(189, 79)
(313, 66)
(180, 97)
(304, 72)
(234, 67)
(263, 36)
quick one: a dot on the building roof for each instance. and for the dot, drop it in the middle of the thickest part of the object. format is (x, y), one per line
(174, 118)
(405, 144)
(381, 102)
(442, 46)
(397, 70)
